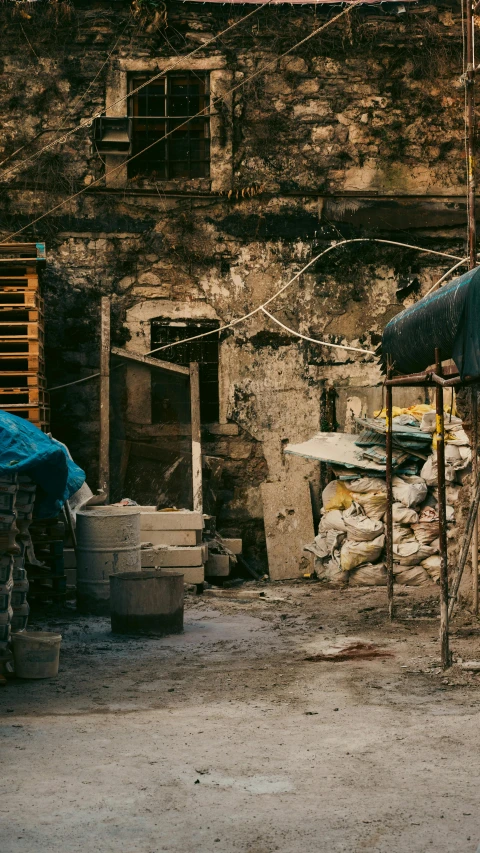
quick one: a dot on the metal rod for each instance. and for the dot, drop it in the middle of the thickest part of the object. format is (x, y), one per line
(442, 520)
(104, 454)
(474, 401)
(389, 513)
(473, 512)
(470, 141)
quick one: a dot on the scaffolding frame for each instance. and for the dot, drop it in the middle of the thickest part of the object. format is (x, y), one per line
(433, 378)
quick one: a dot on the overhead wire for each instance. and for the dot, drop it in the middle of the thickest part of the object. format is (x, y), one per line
(314, 340)
(70, 112)
(297, 275)
(262, 307)
(88, 121)
(202, 112)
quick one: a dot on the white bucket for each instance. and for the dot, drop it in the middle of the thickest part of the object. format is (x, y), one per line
(36, 654)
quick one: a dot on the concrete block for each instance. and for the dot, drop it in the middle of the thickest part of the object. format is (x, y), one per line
(169, 537)
(172, 556)
(191, 574)
(217, 566)
(171, 521)
(204, 548)
(233, 545)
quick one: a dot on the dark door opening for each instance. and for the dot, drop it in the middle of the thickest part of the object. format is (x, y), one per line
(169, 402)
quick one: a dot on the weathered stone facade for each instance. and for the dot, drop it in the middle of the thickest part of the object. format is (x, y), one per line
(357, 133)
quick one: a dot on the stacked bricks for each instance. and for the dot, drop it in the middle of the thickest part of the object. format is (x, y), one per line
(46, 572)
(17, 495)
(22, 367)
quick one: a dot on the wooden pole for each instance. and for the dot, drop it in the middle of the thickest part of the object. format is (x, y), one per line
(389, 513)
(469, 527)
(442, 519)
(472, 247)
(104, 459)
(196, 437)
(470, 122)
(475, 477)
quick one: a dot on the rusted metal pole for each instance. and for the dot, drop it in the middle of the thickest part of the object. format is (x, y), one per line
(470, 122)
(474, 401)
(104, 455)
(389, 513)
(442, 519)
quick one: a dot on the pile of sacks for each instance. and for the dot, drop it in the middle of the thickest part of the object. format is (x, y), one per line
(350, 545)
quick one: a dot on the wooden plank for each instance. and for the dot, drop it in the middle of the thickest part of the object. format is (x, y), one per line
(288, 520)
(104, 461)
(16, 283)
(196, 437)
(151, 362)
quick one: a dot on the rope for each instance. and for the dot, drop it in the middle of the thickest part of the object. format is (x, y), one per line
(313, 340)
(272, 62)
(278, 292)
(87, 122)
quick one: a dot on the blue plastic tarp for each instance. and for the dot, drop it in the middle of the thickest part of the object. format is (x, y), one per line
(26, 449)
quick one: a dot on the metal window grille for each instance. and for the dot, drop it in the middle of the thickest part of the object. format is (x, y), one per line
(169, 401)
(162, 107)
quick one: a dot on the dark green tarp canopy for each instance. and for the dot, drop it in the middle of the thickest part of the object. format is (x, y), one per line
(449, 318)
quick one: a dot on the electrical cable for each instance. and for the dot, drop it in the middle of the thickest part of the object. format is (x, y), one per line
(70, 112)
(297, 275)
(278, 292)
(88, 122)
(264, 68)
(314, 340)
(452, 269)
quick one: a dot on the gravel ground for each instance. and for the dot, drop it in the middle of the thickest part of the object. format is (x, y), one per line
(226, 738)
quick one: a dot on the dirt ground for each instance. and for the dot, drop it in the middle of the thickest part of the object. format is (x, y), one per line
(227, 739)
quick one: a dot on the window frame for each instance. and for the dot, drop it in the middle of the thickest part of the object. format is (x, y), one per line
(192, 128)
(221, 130)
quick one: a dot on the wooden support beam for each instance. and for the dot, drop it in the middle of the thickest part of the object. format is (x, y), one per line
(151, 362)
(104, 458)
(389, 483)
(442, 520)
(196, 437)
(474, 402)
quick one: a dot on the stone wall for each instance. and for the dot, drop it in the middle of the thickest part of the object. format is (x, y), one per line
(358, 133)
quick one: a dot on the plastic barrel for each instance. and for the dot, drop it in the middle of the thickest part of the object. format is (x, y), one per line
(108, 542)
(148, 602)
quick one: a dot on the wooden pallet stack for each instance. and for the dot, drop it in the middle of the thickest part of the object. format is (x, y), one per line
(22, 366)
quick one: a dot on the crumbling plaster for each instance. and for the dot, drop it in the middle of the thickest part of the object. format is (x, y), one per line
(343, 139)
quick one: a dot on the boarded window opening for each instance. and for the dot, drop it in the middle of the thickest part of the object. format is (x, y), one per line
(169, 402)
(161, 108)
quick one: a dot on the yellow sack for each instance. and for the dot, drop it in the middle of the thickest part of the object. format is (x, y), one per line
(336, 496)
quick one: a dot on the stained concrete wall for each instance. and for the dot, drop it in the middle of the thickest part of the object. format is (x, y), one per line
(358, 133)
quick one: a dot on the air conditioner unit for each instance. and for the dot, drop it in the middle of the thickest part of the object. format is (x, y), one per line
(112, 135)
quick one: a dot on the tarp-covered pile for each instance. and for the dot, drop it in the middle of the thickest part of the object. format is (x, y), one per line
(350, 545)
(37, 476)
(448, 318)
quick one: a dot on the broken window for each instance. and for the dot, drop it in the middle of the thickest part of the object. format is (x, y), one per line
(169, 402)
(175, 106)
